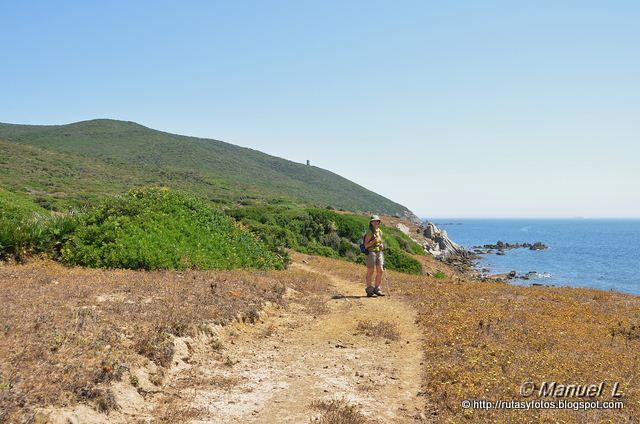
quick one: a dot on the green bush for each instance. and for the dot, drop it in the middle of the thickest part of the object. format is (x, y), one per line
(404, 242)
(324, 232)
(27, 229)
(163, 229)
(398, 260)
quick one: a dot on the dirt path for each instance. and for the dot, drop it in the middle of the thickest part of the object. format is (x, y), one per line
(271, 371)
(277, 368)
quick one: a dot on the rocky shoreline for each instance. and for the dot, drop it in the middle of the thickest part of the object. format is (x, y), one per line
(501, 246)
(438, 244)
(512, 275)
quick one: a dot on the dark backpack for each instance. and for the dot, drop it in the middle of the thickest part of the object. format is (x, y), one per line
(362, 248)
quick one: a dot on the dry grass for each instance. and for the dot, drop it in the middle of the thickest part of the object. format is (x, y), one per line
(339, 411)
(356, 273)
(66, 333)
(268, 331)
(316, 305)
(385, 329)
(482, 340)
(170, 411)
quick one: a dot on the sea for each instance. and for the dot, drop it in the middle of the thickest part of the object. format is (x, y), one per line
(595, 253)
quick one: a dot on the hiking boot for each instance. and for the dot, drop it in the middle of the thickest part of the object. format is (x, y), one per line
(378, 292)
(369, 290)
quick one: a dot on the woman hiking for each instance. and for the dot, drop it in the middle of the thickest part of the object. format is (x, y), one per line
(375, 258)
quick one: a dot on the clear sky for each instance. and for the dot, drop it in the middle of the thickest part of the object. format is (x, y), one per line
(458, 109)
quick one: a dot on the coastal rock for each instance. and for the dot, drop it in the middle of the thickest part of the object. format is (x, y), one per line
(404, 229)
(442, 247)
(501, 246)
(430, 231)
(528, 275)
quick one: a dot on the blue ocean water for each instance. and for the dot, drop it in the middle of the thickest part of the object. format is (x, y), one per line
(596, 253)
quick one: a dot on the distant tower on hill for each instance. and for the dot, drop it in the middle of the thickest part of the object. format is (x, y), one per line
(308, 163)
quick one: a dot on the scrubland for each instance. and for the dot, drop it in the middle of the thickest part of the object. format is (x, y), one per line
(64, 340)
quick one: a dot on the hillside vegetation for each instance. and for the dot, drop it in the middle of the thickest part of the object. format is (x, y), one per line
(76, 163)
(151, 228)
(326, 233)
(27, 229)
(163, 229)
(159, 228)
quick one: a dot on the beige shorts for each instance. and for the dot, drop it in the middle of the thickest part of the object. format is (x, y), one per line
(375, 258)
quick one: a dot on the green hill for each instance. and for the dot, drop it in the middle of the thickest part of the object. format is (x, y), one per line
(68, 164)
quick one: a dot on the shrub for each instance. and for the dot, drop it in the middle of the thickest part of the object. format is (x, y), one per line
(158, 228)
(400, 261)
(324, 232)
(26, 228)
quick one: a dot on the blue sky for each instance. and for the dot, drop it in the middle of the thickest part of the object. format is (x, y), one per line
(465, 109)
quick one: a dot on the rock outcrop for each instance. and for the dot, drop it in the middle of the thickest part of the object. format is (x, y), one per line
(502, 246)
(438, 243)
(412, 217)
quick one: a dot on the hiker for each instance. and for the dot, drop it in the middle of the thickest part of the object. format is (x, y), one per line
(375, 258)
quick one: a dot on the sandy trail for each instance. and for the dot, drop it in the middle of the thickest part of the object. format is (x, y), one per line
(271, 371)
(276, 368)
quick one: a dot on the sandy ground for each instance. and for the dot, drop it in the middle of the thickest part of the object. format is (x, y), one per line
(273, 370)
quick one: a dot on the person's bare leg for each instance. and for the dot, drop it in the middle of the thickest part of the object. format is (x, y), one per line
(369, 276)
(379, 271)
